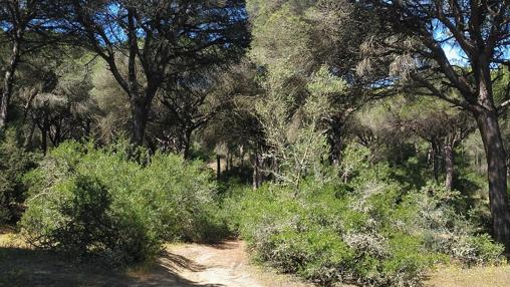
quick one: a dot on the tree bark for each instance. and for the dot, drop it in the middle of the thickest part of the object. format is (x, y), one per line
(231, 164)
(140, 101)
(218, 167)
(436, 159)
(497, 174)
(44, 141)
(335, 140)
(140, 115)
(8, 84)
(449, 165)
(486, 116)
(256, 172)
(28, 138)
(187, 144)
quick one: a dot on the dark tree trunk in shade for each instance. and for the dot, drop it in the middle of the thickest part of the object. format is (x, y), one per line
(497, 175)
(449, 165)
(140, 114)
(218, 167)
(44, 141)
(436, 159)
(187, 143)
(256, 178)
(335, 139)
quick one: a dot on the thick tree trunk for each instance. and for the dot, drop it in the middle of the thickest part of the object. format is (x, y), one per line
(497, 174)
(141, 104)
(8, 84)
(335, 140)
(187, 144)
(486, 116)
(139, 112)
(449, 165)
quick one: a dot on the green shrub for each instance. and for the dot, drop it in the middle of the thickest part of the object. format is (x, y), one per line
(375, 234)
(432, 213)
(326, 234)
(186, 198)
(15, 162)
(87, 221)
(99, 201)
(84, 222)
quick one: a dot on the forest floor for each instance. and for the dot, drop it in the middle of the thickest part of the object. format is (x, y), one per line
(187, 265)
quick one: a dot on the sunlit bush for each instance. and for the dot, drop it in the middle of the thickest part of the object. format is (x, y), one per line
(373, 234)
(99, 201)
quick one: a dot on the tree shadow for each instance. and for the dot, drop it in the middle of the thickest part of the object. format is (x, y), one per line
(38, 268)
(224, 245)
(176, 262)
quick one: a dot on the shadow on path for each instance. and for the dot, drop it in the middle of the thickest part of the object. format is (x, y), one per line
(37, 268)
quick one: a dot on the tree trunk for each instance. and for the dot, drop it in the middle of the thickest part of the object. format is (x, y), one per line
(44, 141)
(29, 137)
(8, 84)
(497, 172)
(486, 116)
(449, 165)
(187, 144)
(335, 140)
(436, 159)
(227, 162)
(256, 172)
(218, 167)
(140, 115)
(88, 124)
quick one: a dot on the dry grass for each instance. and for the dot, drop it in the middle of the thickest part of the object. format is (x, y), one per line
(454, 276)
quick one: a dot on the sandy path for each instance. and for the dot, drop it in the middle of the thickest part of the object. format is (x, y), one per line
(187, 265)
(226, 264)
(183, 265)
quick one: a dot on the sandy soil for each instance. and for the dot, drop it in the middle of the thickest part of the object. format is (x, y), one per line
(183, 265)
(189, 265)
(226, 264)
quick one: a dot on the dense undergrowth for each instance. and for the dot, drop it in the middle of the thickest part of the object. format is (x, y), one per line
(369, 230)
(14, 163)
(372, 226)
(97, 201)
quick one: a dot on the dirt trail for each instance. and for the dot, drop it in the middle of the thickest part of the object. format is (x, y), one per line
(225, 264)
(184, 265)
(187, 265)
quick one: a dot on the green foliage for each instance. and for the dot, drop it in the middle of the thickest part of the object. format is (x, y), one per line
(14, 163)
(297, 136)
(85, 223)
(98, 201)
(368, 231)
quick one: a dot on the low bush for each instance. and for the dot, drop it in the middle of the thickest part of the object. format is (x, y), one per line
(373, 234)
(431, 212)
(98, 201)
